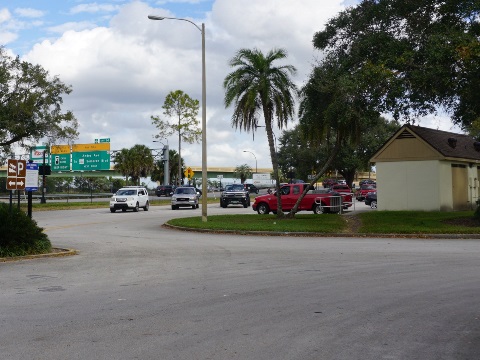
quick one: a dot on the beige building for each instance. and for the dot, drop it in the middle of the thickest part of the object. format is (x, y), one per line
(425, 169)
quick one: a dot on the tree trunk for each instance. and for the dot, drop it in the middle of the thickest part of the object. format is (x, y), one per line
(320, 172)
(273, 154)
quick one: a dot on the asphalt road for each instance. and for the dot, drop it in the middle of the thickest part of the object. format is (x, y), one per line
(140, 291)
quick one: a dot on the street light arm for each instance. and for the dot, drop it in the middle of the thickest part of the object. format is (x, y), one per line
(154, 17)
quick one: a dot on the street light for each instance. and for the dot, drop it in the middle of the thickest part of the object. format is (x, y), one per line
(204, 112)
(166, 163)
(256, 168)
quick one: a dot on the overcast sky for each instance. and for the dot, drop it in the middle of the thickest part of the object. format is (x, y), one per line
(122, 65)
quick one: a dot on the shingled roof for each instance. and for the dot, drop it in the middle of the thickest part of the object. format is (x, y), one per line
(448, 144)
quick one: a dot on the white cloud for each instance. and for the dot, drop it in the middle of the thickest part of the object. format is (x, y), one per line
(121, 73)
(93, 8)
(29, 12)
(5, 15)
(71, 26)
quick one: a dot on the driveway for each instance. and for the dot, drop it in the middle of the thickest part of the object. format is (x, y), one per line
(137, 290)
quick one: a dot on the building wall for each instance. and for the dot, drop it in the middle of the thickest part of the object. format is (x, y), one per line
(409, 185)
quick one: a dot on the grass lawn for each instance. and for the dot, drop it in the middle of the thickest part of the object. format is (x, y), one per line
(301, 223)
(374, 222)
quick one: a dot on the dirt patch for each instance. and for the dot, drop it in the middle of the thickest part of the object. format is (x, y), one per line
(353, 224)
(467, 222)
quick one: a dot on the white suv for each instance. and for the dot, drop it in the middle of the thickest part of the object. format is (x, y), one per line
(130, 197)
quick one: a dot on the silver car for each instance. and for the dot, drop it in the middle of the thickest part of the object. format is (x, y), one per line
(185, 197)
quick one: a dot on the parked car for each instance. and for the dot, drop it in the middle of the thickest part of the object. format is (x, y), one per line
(371, 199)
(184, 196)
(130, 197)
(367, 182)
(363, 191)
(327, 183)
(342, 189)
(251, 188)
(164, 190)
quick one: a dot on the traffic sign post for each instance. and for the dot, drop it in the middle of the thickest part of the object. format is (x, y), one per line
(91, 160)
(60, 162)
(16, 172)
(31, 177)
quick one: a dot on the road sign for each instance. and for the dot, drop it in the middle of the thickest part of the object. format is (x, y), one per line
(31, 177)
(189, 173)
(91, 147)
(16, 172)
(91, 160)
(60, 162)
(60, 149)
(36, 154)
(105, 140)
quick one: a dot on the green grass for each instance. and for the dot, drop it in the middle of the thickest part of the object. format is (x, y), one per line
(301, 223)
(416, 222)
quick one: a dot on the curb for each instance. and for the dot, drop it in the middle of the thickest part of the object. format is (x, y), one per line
(57, 252)
(316, 234)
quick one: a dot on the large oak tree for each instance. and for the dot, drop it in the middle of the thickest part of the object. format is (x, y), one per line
(30, 106)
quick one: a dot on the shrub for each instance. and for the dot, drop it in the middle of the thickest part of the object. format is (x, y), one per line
(20, 235)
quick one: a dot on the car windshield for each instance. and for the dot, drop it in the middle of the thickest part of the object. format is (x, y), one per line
(234, 187)
(126, 192)
(185, 191)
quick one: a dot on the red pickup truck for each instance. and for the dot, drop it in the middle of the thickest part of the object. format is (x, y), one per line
(318, 201)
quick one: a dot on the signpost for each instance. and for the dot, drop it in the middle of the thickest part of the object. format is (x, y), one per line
(36, 154)
(91, 160)
(16, 173)
(31, 177)
(91, 156)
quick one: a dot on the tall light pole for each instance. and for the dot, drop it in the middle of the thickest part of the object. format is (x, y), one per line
(256, 167)
(204, 112)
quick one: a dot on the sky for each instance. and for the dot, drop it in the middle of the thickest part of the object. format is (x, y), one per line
(121, 65)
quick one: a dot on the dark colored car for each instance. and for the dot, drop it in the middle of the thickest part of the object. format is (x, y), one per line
(371, 199)
(164, 190)
(367, 182)
(363, 191)
(251, 188)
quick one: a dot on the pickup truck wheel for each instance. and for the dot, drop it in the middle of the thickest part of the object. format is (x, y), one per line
(319, 209)
(245, 204)
(112, 210)
(373, 204)
(135, 209)
(147, 206)
(263, 209)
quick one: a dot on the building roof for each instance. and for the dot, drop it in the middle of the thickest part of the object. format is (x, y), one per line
(449, 144)
(446, 144)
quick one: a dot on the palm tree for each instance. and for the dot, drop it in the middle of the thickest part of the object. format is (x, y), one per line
(243, 172)
(257, 86)
(136, 162)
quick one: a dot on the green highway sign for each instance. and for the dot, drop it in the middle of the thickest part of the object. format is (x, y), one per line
(105, 140)
(91, 160)
(60, 162)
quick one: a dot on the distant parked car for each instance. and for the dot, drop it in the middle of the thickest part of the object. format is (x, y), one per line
(367, 182)
(164, 190)
(371, 199)
(251, 188)
(342, 189)
(363, 191)
(327, 183)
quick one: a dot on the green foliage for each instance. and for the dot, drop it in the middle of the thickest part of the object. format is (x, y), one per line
(409, 57)
(135, 162)
(20, 235)
(30, 105)
(183, 110)
(243, 172)
(257, 87)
